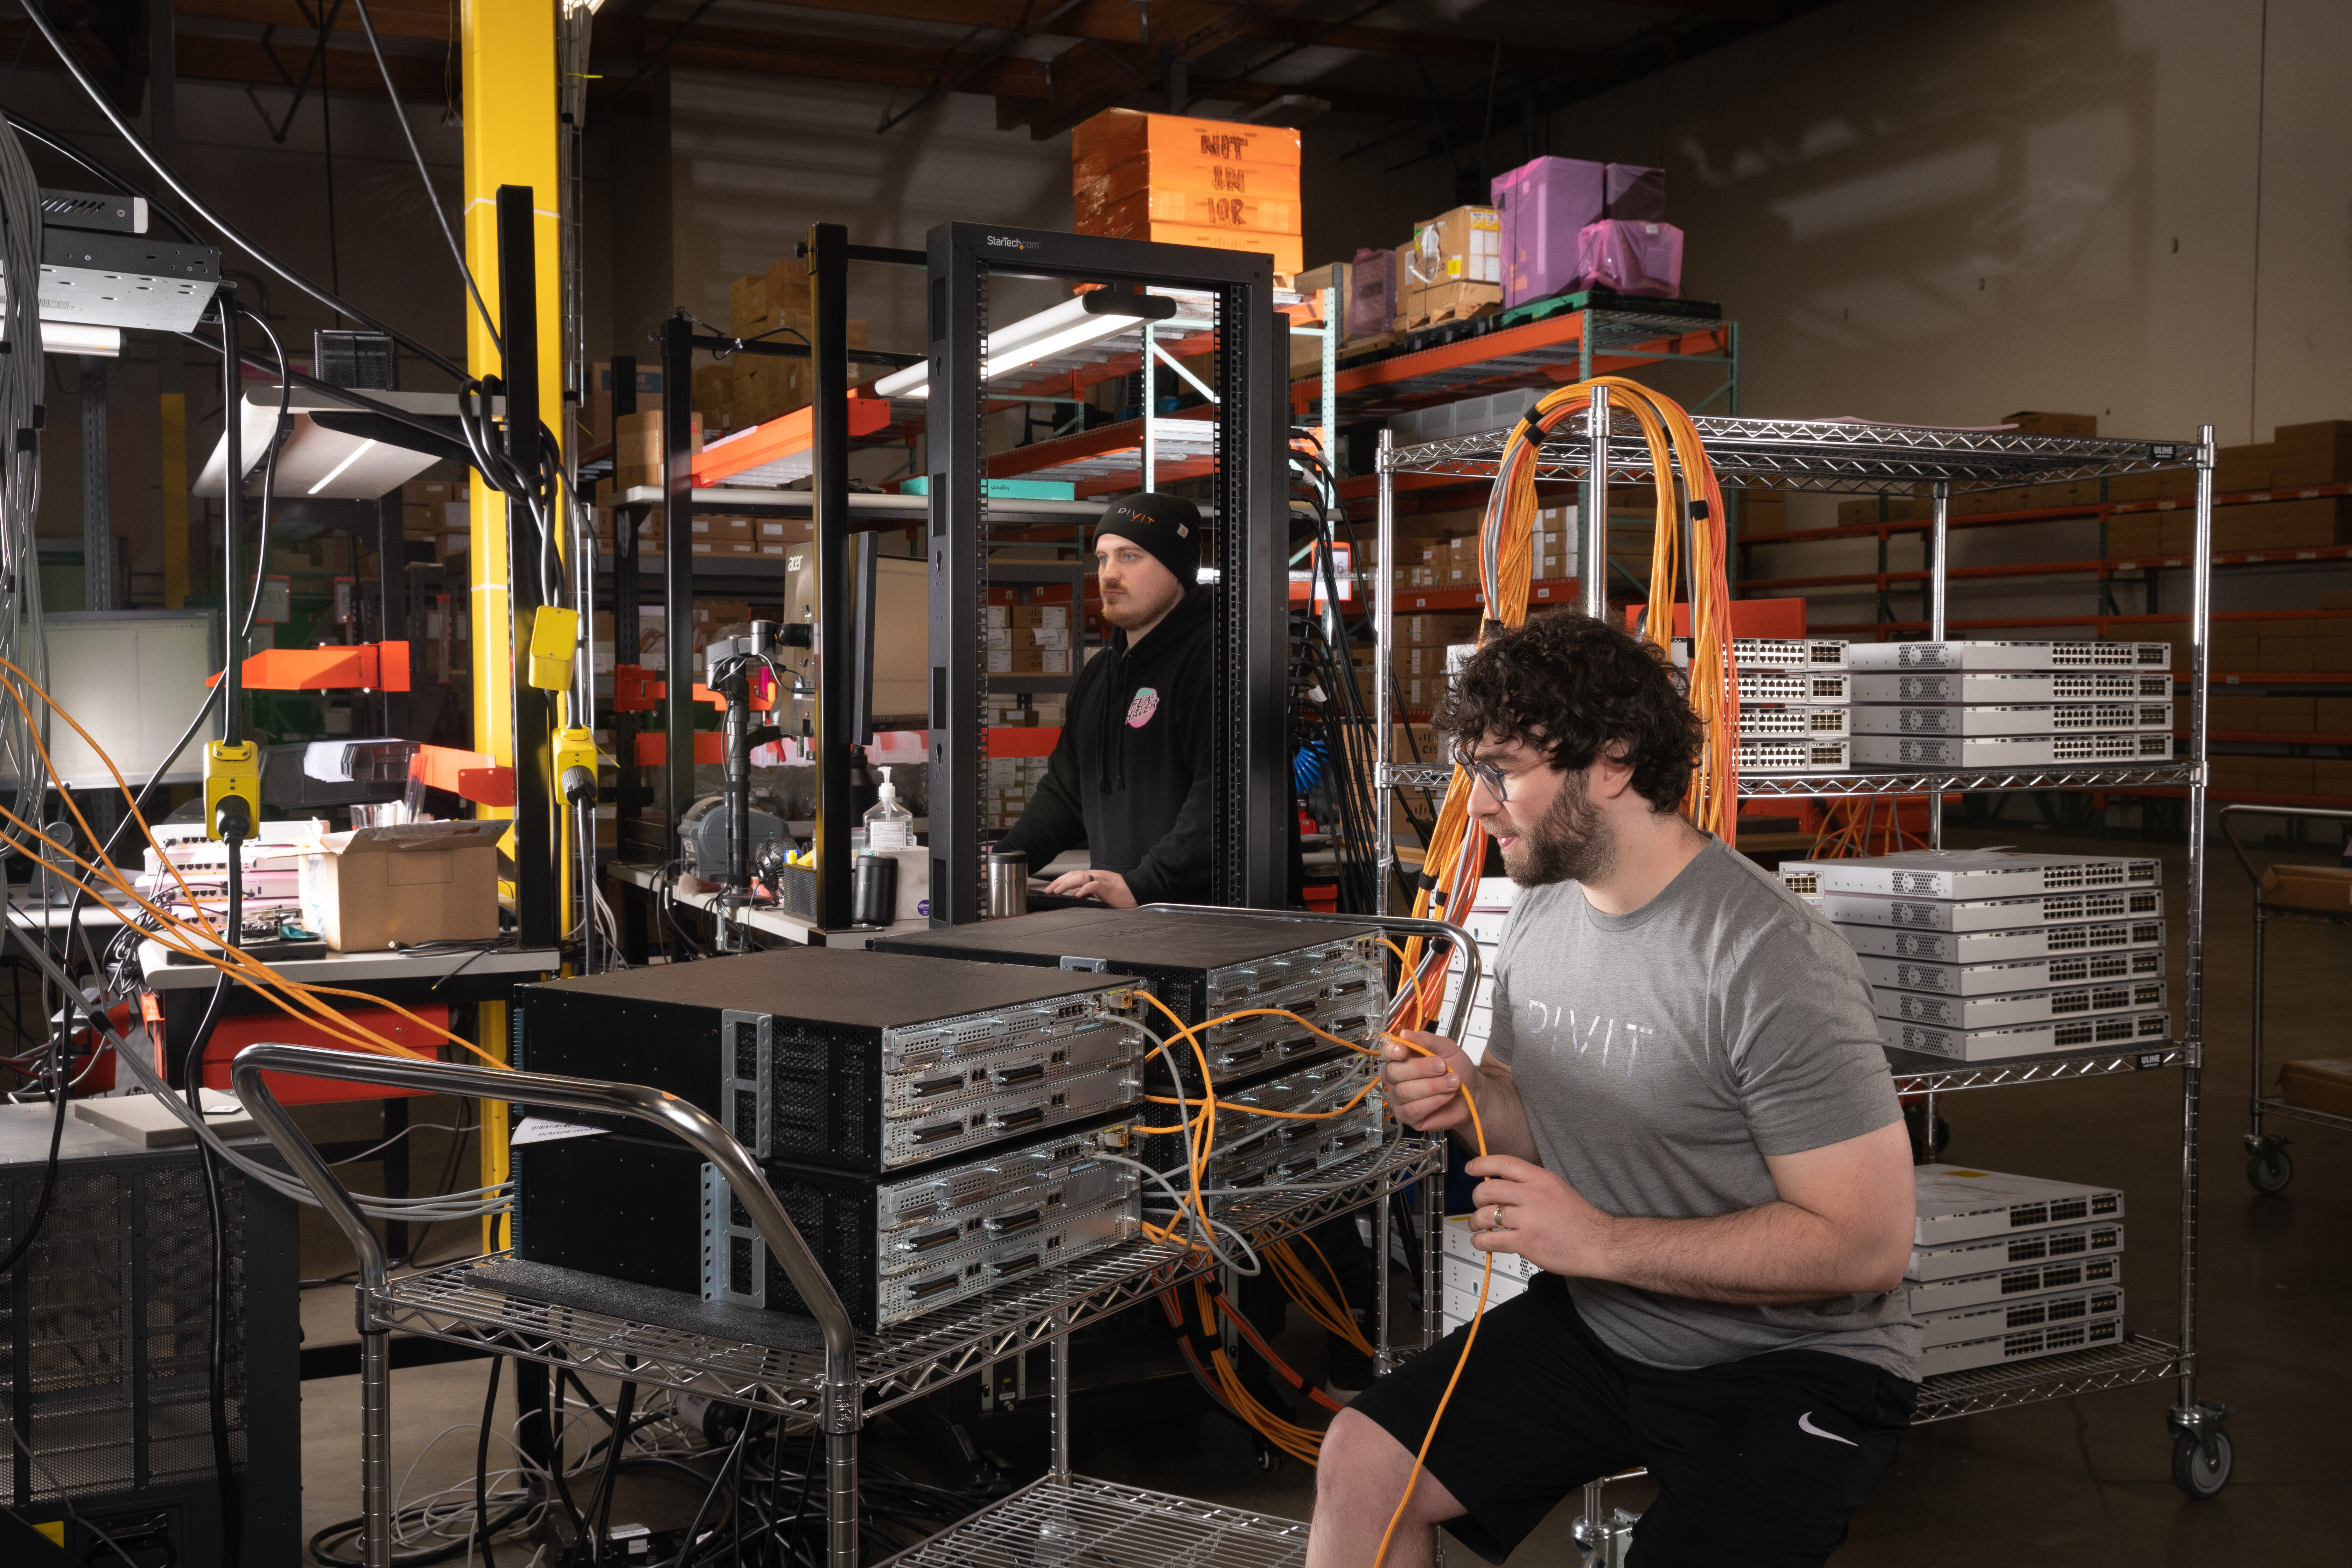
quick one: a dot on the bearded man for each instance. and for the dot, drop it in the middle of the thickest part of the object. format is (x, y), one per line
(1130, 777)
(1691, 1130)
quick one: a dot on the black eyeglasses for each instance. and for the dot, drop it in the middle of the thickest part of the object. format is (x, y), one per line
(1485, 772)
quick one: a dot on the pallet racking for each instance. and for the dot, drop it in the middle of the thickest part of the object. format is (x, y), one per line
(1597, 451)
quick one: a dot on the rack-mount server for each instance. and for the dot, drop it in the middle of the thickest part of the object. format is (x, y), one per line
(1202, 966)
(648, 1210)
(856, 1061)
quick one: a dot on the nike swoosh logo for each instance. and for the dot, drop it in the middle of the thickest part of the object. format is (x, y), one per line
(1805, 1424)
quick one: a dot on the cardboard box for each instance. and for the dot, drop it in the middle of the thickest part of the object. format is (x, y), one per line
(600, 396)
(2283, 715)
(2319, 1083)
(2333, 655)
(2287, 655)
(1634, 194)
(1463, 245)
(1142, 210)
(2331, 775)
(1544, 206)
(1761, 512)
(1178, 142)
(2308, 887)
(420, 882)
(2030, 423)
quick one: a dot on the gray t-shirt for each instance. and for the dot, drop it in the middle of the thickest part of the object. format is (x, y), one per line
(1663, 1054)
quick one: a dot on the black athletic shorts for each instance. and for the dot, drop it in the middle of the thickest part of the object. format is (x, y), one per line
(1758, 1461)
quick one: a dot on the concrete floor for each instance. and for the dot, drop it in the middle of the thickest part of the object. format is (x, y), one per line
(2088, 1477)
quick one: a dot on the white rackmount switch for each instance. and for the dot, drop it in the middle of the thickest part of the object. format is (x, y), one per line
(1959, 1203)
(2018, 1007)
(1949, 1295)
(1992, 914)
(1800, 686)
(2053, 1325)
(1788, 653)
(1792, 756)
(2007, 979)
(2009, 655)
(1978, 947)
(1762, 722)
(2113, 1031)
(2016, 718)
(1978, 873)
(2010, 752)
(2003, 689)
(2028, 1246)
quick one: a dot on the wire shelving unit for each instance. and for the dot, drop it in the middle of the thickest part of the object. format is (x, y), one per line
(1598, 449)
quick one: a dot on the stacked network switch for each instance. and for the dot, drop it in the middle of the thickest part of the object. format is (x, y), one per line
(2011, 704)
(1464, 1268)
(1794, 701)
(1980, 955)
(2008, 1269)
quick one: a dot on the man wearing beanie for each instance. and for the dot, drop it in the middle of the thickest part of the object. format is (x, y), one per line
(1130, 777)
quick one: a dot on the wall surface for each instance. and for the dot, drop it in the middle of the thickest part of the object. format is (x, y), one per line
(1942, 213)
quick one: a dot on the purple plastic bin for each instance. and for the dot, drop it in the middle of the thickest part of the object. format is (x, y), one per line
(1634, 193)
(1371, 293)
(1544, 205)
(1645, 259)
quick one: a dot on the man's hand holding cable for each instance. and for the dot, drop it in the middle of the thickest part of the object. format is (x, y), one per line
(1521, 1207)
(1428, 1094)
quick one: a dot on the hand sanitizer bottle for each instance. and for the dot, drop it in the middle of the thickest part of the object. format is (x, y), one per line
(889, 825)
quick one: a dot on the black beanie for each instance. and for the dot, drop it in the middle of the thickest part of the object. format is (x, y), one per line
(1167, 526)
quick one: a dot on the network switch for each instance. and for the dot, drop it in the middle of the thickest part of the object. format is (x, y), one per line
(1990, 1319)
(1788, 653)
(2024, 1248)
(1762, 756)
(2008, 655)
(1459, 1307)
(1202, 965)
(1979, 873)
(2009, 978)
(1797, 685)
(1958, 1202)
(1994, 914)
(858, 1061)
(2016, 719)
(2056, 1339)
(2017, 1007)
(2114, 1031)
(1975, 947)
(2009, 752)
(1772, 722)
(2012, 1284)
(2001, 688)
(1511, 1271)
(650, 1212)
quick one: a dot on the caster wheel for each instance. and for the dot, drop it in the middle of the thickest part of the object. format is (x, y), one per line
(2269, 1169)
(2194, 1472)
(1270, 1459)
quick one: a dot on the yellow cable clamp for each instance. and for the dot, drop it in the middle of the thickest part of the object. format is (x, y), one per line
(554, 640)
(232, 768)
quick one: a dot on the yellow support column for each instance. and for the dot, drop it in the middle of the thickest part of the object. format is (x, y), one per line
(509, 63)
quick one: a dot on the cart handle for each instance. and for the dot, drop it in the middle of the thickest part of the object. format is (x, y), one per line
(699, 1129)
(1464, 943)
(2315, 813)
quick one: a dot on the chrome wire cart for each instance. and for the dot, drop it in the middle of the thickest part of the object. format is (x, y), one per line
(818, 1374)
(2268, 1164)
(1597, 448)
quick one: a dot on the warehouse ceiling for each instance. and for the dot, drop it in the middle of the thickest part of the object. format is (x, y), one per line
(1410, 79)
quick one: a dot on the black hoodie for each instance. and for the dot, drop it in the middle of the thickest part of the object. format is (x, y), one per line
(1131, 776)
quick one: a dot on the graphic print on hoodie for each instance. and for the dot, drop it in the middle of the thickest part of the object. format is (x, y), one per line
(1132, 777)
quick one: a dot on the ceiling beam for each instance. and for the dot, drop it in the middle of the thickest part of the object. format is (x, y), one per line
(431, 19)
(211, 58)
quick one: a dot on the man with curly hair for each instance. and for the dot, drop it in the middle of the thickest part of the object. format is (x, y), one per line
(1691, 1130)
